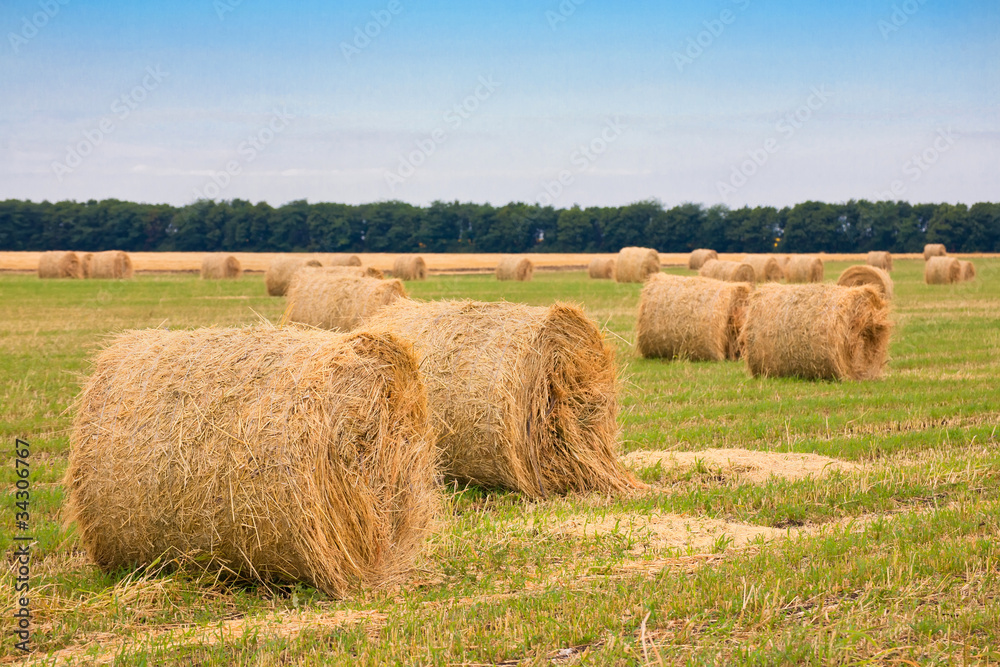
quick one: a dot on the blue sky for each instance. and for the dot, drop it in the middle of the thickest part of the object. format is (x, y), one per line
(583, 101)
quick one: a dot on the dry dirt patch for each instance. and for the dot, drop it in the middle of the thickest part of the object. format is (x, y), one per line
(749, 465)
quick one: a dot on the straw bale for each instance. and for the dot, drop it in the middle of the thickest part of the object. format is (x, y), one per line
(274, 454)
(816, 331)
(766, 268)
(699, 257)
(355, 271)
(111, 264)
(515, 268)
(521, 397)
(881, 259)
(86, 259)
(804, 269)
(327, 300)
(968, 270)
(601, 268)
(724, 269)
(409, 267)
(690, 318)
(861, 274)
(942, 271)
(342, 259)
(280, 272)
(934, 250)
(59, 264)
(217, 266)
(634, 265)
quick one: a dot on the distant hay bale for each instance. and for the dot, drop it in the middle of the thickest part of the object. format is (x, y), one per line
(111, 264)
(699, 257)
(336, 301)
(59, 264)
(934, 250)
(280, 272)
(356, 271)
(881, 259)
(634, 265)
(601, 268)
(86, 259)
(765, 268)
(690, 318)
(259, 453)
(515, 268)
(804, 269)
(853, 276)
(942, 271)
(968, 270)
(409, 267)
(342, 260)
(218, 266)
(723, 269)
(521, 397)
(816, 332)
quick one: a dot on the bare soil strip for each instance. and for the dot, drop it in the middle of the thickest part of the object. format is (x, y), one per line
(749, 465)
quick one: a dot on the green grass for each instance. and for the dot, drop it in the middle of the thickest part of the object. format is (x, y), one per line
(897, 562)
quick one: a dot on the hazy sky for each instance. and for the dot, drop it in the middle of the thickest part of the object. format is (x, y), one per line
(583, 101)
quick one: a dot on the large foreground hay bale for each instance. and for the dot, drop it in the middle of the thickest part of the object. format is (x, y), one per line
(521, 397)
(853, 276)
(86, 260)
(277, 454)
(804, 269)
(218, 266)
(816, 332)
(59, 264)
(934, 250)
(724, 269)
(634, 265)
(699, 257)
(110, 264)
(343, 260)
(766, 268)
(942, 271)
(881, 259)
(515, 268)
(690, 318)
(601, 268)
(336, 301)
(968, 270)
(280, 272)
(409, 267)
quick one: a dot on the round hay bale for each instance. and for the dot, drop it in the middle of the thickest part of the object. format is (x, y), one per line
(280, 272)
(699, 257)
(765, 268)
(804, 269)
(219, 266)
(409, 267)
(881, 259)
(273, 454)
(355, 271)
(968, 270)
(634, 265)
(521, 397)
(690, 318)
(853, 276)
(343, 260)
(816, 332)
(601, 268)
(86, 259)
(336, 301)
(515, 268)
(59, 264)
(111, 265)
(724, 269)
(942, 271)
(934, 250)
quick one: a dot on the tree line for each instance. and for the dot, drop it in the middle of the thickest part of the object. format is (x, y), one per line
(395, 226)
